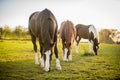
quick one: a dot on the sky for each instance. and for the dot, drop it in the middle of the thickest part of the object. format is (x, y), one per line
(101, 13)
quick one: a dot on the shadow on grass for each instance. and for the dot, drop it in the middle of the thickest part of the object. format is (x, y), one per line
(19, 70)
(88, 54)
(26, 70)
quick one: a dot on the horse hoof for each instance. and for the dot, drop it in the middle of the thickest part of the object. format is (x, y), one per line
(70, 59)
(36, 63)
(58, 68)
(65, 60)
(42, 66)
(47, 69)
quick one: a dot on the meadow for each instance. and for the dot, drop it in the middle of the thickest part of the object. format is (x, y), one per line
(17, 63)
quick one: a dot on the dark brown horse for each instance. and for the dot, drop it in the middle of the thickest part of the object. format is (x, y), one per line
(67, 34)
(87, 32)
(43, 25)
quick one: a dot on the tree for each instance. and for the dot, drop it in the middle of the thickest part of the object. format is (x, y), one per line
(104, 36)
(18, 31)
(7, 31)
(1, 32)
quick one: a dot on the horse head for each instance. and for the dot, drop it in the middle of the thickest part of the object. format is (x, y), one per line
(96, 46)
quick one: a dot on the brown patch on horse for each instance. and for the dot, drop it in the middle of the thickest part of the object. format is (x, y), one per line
(67, 32)
(82, 31)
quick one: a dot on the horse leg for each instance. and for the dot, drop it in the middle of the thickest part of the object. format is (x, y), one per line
(58, 66)
(70, 54)
(65, 50)
(91, 46)
(35, 49)
(42, 56)
(77, 43)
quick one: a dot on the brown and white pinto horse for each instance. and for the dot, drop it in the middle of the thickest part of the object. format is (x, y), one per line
(67, 34)
(87, 32)
(43, 25)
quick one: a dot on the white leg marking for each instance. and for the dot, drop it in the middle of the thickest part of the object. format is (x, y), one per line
(70, 57)
(91, 47)
(47, 62)
(36, 58)
(75, 42)
(76, 46)
(58, 66)
(42, 62)
(76, 49)
(65, 55)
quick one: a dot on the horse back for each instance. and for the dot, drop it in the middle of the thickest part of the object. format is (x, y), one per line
(33, 23)
(82, 31)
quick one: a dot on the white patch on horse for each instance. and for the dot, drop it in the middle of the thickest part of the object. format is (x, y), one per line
(36, 58)
(42, 62)
(96, 47)
(92, 29)
(70, 57)
(65, 55)
(58, 66)
(47, 62)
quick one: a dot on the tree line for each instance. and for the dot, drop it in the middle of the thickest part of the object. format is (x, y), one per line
(20, 32)
(109, 36)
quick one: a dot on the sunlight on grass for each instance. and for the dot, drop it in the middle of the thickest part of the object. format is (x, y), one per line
(17, 62)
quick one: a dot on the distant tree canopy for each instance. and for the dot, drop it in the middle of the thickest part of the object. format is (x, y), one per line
(104, 36)
(1, 32)
(7, 31)
(18, 33)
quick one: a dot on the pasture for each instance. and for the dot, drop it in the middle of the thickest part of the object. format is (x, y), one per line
(17, 62)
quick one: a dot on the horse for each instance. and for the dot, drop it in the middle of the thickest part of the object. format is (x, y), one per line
(43, 26)
(87, 32)
(67, 34)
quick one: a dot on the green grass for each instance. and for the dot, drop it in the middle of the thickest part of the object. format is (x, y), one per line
(17, 63)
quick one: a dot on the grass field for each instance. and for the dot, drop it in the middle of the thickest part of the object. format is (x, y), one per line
(17, 63)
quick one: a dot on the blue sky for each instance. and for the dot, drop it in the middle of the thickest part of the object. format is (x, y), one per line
(101, 13)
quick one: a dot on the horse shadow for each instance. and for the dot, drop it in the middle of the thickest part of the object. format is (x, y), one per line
(87, 54)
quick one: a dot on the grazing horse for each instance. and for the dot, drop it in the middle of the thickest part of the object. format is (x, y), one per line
(67, 34)
(87, 32)
(43, 25)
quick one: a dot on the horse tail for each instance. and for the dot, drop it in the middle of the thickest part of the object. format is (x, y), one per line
(52, 27)
(48, 30)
